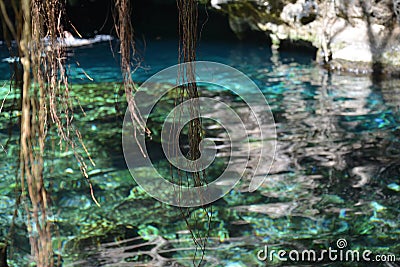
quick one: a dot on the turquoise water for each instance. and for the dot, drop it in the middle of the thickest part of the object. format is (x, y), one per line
(336, 172)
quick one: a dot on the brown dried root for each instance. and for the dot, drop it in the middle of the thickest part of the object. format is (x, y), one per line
(188, 17)
(45, 101)
(124, 29)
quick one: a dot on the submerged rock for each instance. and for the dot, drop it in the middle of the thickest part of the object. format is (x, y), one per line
(351, 36)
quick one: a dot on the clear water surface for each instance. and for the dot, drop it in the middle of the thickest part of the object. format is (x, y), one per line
(336, 173)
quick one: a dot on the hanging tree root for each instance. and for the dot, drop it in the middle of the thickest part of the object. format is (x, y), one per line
(125, 33)
(188, 17)
(45, 103)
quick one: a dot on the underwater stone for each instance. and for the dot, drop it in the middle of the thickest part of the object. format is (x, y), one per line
(394, 187)
(69, 170)
(377, 207)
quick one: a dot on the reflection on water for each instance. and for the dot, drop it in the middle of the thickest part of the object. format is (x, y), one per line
(335, 175)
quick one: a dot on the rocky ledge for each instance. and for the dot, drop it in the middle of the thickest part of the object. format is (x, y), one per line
(350, 35)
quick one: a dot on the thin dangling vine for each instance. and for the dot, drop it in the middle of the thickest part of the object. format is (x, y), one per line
(125, 33)
(45, 105)
(188, 19)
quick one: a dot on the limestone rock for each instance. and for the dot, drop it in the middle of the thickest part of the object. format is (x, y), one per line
(301, 12)
(352, 31)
